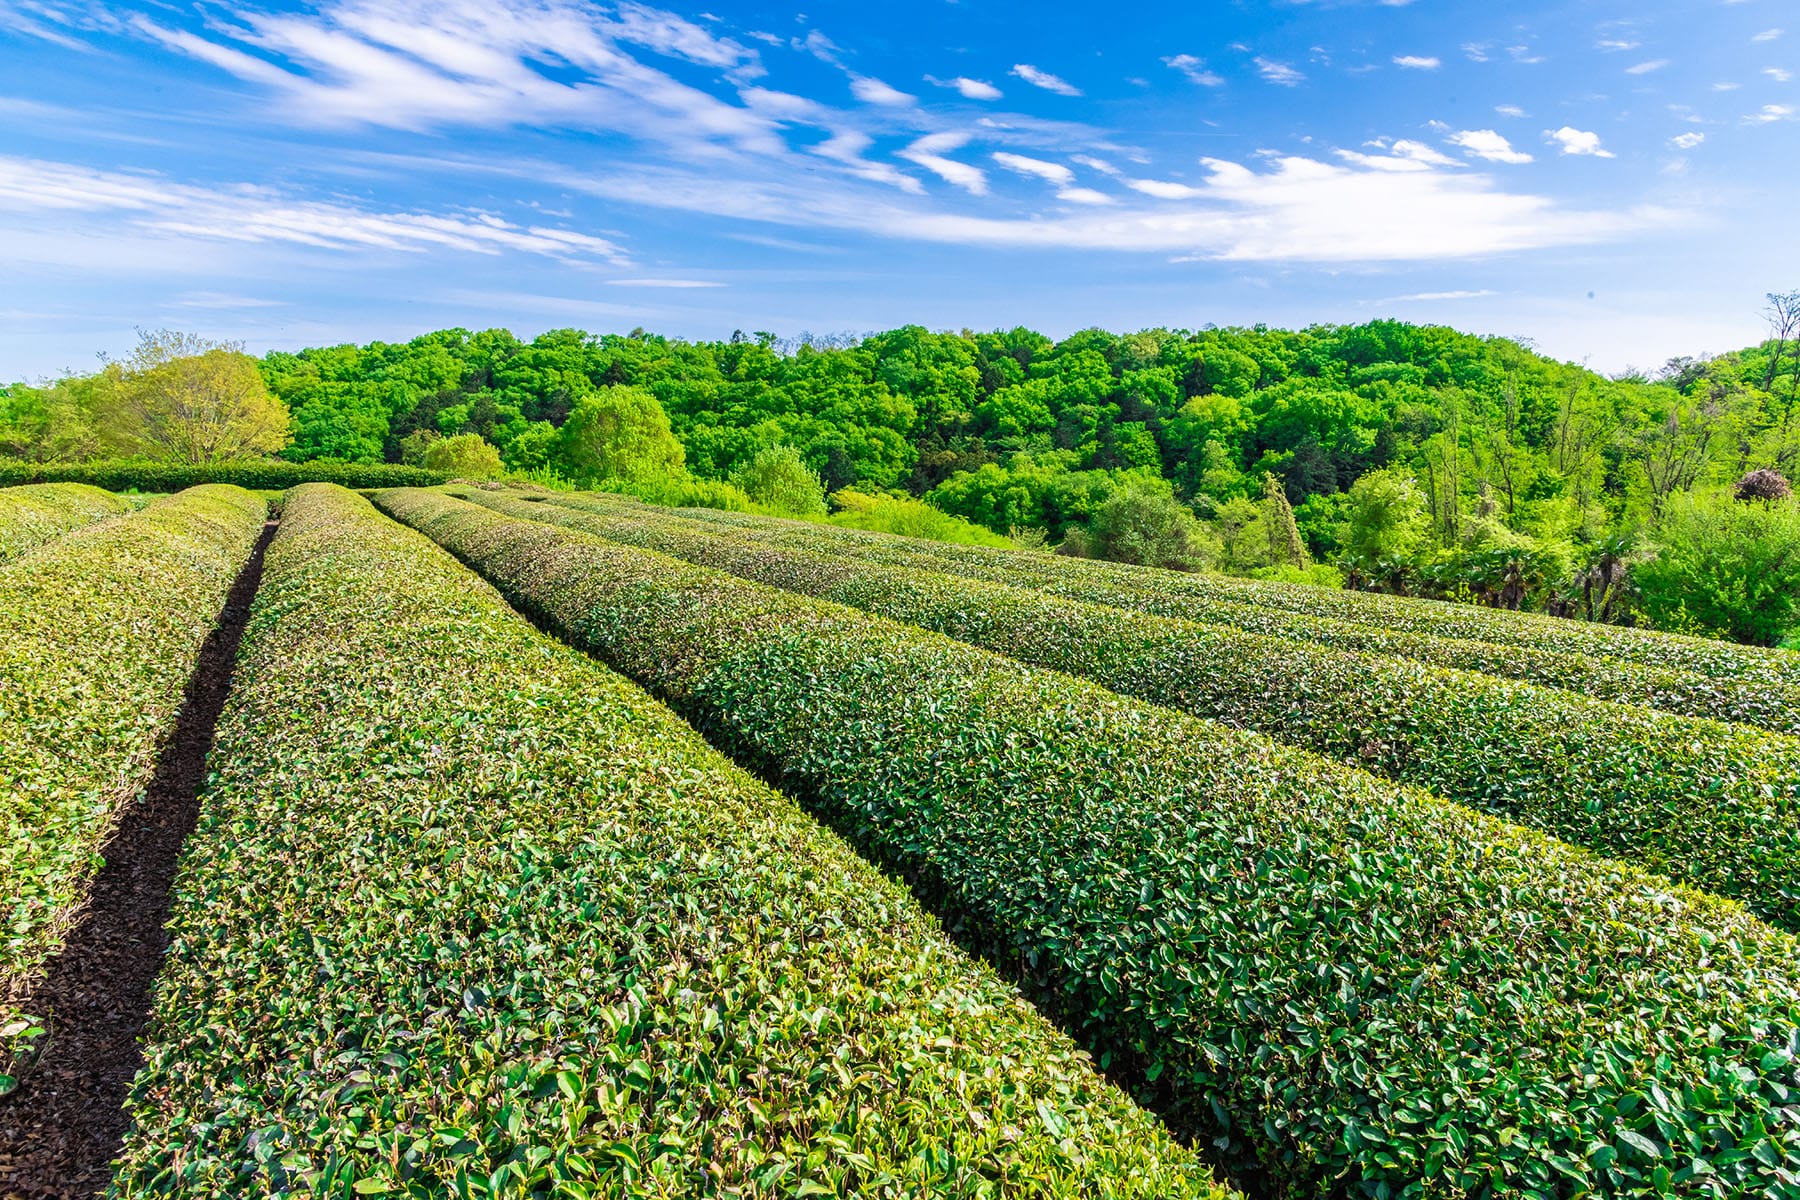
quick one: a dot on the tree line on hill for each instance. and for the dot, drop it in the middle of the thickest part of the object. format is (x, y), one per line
(1406, 458)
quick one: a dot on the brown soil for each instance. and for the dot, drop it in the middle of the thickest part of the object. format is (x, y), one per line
(61, 1129)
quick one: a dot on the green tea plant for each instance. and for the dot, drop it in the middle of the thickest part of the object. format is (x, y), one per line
(1344, 985)
(469, 915)
(102, 631)
(35, 514)
(1710, 804)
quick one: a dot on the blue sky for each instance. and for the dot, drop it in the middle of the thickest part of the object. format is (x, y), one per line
(1613, 180)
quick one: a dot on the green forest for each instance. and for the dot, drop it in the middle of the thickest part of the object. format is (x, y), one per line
(1384, 456)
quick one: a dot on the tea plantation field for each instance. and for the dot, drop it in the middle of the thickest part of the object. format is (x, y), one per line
(556, 844)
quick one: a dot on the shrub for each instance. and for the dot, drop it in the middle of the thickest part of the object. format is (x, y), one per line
(1710, 804)
(906, 517)
(778, 479)
(1143, 522)
(466, 454)
(468, 915)
(1732, 570)
(103, 629)
(1345, 986)
(1740, 699)
(619, 433)
(256, 474)
(1763, 484)
(37, 513)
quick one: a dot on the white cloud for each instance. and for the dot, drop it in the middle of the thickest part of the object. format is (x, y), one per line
(1644, 68)
(873, 91)
(1486, 143)
(1195, 70)
(1687, 141)
(971, 89)
(416, 64)
(1417, 62)
(820, 47)
(1615, 45)
(1432, 297)
(1577, 142)
(1096, 164)
(1523, 54)
(929, 153)
(1045, 80)
(1767, 35)
(1771, 113)
(1778, 75)
(1082, 195)
(1726, 87)
(846, 148)
(1051, 172)
(1476, 51)
(1510, 110)
(665, 283)
(1278, 72)
(239, 213)
(1165, 189)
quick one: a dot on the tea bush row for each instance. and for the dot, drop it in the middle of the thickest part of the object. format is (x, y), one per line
(1343, 985)
(257, 474)
(1689, 676)
(35, 514)
(469, 915)
(101, 632)
(1711, 804)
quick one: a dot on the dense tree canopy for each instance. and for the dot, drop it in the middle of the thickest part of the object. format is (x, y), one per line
(1413, 458)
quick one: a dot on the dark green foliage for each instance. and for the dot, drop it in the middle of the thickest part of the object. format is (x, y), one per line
(33, 514)
(1713, 805)
(1344, 985)
(467, 915)
(101, 632)
(120, 475)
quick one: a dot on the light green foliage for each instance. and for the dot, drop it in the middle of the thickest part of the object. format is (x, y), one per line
(1707, 803)
(1342, 985)
(779, 480)
(102, 631)
(180, 398)
(468, 915)
(467, 455)
(1726, 567)
(1386, 525)
(619, 433)
(33, 514)
(905, 517)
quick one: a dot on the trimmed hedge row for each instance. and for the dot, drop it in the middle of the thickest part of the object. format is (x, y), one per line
(35, 514)
(1348, 986)
(102, 630)
(257, 474)
(1688, 693)
(1759, 698)
(468, 915)
(1710, 804)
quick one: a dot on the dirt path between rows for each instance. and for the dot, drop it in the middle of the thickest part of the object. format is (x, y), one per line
(60, 1131)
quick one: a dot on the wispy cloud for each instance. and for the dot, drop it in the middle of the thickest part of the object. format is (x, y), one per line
(1488, 144)
(1510, 110)
(683, 284)
(1433, 297)
(1687, 141)
(1195, 70)
(1767, 35)
(969, 89)
(1644, 68)
(1778, 74)
(1417, 62)
(1616, 45)
(929, 152)
(1771, 113)
(1045, 80)
(1577, 142)
(1279, 72)
(250, 214)
(873, 91)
